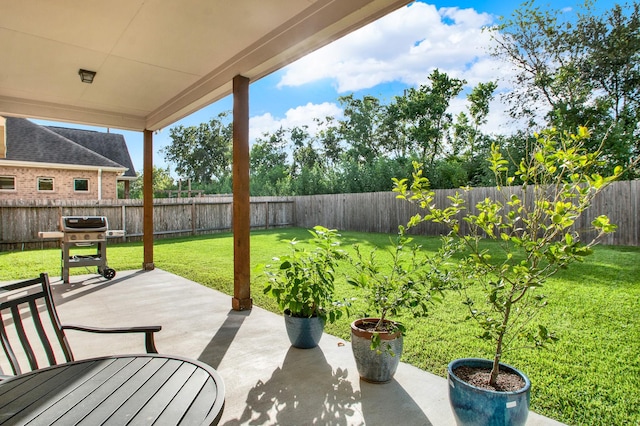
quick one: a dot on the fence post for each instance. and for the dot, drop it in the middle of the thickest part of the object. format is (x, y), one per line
(193, 217)
(124, 221)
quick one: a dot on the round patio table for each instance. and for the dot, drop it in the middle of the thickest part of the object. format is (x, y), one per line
(117, 390)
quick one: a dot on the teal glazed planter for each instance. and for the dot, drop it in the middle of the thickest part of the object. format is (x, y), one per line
(473, 406)
(374, 367)
(304, 333)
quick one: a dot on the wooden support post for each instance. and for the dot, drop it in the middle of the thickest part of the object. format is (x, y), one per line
(147, 201)
(241, 204)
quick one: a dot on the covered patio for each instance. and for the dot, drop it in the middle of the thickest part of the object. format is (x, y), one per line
(156, 62)
(143, 65)
(267, 381)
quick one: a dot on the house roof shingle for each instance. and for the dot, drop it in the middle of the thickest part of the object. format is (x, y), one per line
(109, 145)
(27, 141)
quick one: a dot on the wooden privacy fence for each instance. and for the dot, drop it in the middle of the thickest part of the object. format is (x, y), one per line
(383, 212)
(20, 222)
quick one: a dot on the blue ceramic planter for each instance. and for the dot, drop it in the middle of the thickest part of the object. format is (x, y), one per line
(475, 406)
(304, 333)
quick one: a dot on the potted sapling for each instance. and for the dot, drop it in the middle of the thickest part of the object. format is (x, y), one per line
(396, 281)
(533, 222)
(302, 284)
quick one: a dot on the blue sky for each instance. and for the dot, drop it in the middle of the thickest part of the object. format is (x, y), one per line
(382, 59)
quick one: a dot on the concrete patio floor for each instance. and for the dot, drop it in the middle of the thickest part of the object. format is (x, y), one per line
(267, 381)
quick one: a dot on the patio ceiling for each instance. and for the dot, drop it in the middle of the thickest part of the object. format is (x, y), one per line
(157, 61)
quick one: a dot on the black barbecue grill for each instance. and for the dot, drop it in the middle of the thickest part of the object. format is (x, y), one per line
(86, 223)
(84, 231)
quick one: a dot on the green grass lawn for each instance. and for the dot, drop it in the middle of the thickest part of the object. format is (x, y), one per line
(591, 376)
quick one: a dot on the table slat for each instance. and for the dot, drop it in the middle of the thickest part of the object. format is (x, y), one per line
(202, 404)
(44, 389)
(130, 408)
(156, 405)
(69, 395)
(95, 392)
(183, 401)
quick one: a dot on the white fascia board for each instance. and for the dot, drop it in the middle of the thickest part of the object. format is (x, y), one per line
(33, 164)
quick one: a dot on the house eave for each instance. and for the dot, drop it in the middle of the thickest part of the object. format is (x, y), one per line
(58, 166)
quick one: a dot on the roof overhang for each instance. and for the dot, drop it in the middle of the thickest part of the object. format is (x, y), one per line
(49, 166)
(157, 61)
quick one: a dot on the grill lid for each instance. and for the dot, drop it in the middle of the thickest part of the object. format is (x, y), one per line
(83, 223)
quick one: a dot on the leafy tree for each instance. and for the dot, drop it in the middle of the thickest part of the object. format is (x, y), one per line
(447, 173)
(579, 70)
(373, 176)
(330, 141)
(539, 45)
(309, 181)
(613, 64)
(305, 156)
(268, 164)
(612, 41)
(467, 134)
(162, 181)
(360, 127)
(467, 165)
(425, 111)
(202, 153)
(394, 130)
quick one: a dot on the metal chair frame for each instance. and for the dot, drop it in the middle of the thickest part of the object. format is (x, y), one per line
(15, 298)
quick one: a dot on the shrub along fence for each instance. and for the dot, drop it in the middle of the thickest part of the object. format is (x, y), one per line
(20, 221)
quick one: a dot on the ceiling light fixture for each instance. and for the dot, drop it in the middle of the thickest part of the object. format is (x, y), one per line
(86, 76)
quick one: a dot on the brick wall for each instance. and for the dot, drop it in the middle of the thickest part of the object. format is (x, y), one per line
(26, 179)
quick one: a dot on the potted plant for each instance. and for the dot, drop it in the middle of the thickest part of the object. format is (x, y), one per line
(532, 221)
(302, 283)
(391, 286)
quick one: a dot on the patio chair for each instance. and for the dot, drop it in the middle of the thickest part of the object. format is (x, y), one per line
(22, 310)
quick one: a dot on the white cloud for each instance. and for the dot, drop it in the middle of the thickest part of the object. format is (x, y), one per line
(404, 46)
(295, 117)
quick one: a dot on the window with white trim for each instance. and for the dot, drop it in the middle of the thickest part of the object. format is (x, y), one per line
(81, 185)
(7, 183)
(45, 184)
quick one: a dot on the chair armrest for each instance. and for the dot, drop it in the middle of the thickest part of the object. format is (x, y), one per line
(147, 330)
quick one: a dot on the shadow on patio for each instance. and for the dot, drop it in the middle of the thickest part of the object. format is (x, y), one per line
(267, 381)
